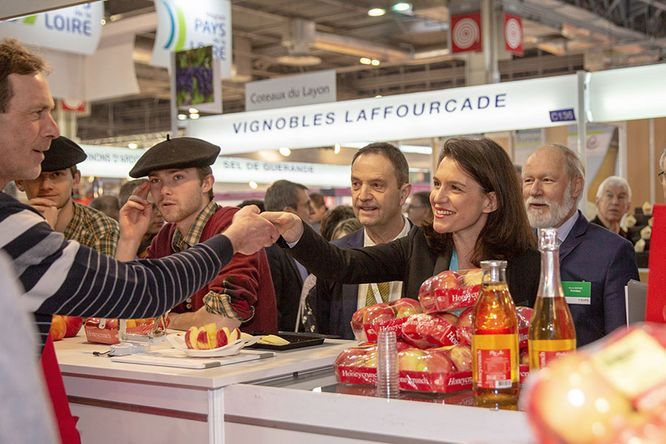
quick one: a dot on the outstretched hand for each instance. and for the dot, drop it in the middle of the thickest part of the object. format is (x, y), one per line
(249, 232)
(289, 225)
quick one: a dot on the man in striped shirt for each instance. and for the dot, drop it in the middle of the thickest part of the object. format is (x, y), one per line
(64, 277)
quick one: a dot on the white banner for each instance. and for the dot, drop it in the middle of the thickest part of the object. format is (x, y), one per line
(75, 29)
(302, 89)
(187, 24)
(113, 162)
(627, 93)
(535, 103)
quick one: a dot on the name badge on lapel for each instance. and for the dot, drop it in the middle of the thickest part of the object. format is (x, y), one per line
(578, 293)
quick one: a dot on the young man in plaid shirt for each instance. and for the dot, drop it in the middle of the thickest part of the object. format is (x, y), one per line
(51, 195)
(181, 182)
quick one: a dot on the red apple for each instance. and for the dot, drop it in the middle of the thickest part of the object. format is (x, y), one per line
(464, 326)
(111, 324)
(414, 359)
(371, 315)
(573, 402)
(461, 356)
(58, 327)
(74, 324)
(356, 356)
(448, 279)
(448, 317)
(427, 331)
(378, 314)
(406, 307)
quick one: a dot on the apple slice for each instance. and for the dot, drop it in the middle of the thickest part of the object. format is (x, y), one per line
(222, 338)
(191, 337)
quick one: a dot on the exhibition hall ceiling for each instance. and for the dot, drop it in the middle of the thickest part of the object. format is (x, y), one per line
(274, 38)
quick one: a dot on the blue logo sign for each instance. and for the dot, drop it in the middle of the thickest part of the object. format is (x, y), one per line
(562, 115)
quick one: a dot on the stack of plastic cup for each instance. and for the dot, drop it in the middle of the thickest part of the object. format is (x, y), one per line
(387, 365)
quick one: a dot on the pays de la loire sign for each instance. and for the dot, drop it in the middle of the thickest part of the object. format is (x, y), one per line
(187, 24)
(76, 29)
(301, 89)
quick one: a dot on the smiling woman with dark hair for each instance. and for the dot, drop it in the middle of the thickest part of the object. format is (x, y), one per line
(478, 215)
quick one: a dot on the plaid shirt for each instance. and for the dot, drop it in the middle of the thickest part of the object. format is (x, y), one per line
(93, 229)
(180, 243)
(215, 303)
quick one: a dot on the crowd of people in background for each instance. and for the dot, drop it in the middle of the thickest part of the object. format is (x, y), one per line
(293, 261)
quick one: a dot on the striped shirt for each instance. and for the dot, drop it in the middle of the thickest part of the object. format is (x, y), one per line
(93, 229)
(63, 277)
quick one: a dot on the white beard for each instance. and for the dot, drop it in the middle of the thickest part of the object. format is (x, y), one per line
(554, 215)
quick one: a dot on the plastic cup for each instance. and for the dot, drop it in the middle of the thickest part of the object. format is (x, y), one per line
(387, 365)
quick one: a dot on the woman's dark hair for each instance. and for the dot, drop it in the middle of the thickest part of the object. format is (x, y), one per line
(507, 232)
(333, 218)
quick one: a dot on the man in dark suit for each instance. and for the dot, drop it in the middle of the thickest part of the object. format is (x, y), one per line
(379, 186)
(595, 263)
(287, 274)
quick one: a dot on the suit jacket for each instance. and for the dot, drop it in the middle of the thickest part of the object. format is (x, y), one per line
(334, 302)
(408, 259)
(594, 254)
(287, 283)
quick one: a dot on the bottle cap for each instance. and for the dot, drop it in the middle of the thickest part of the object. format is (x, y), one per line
(548, 239)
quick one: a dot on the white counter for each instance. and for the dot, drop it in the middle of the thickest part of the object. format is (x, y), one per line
(269, 400)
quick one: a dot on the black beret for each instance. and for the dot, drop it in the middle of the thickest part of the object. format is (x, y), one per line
(62, 154)
(181, 152)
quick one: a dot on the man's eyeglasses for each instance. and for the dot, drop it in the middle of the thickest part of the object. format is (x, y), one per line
(662, 177)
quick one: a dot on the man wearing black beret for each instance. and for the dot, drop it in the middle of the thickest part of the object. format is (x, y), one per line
(51, 195)
(181, 180)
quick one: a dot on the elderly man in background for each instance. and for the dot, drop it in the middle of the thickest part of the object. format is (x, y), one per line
(613, 201)
(596, 263)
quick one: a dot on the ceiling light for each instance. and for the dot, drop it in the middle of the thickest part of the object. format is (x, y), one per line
(365, 61)
(402, 7)
(194, 116)
(193, 111)
(285, 152)
(182, 116)
(375, 62)
(378, 96)
(102, 21)
(336, 149)
(132, 146)
(253, 184)
(376, 12)
(299, 60)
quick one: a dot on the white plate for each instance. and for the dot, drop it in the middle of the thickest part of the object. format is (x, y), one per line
(177, 341)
